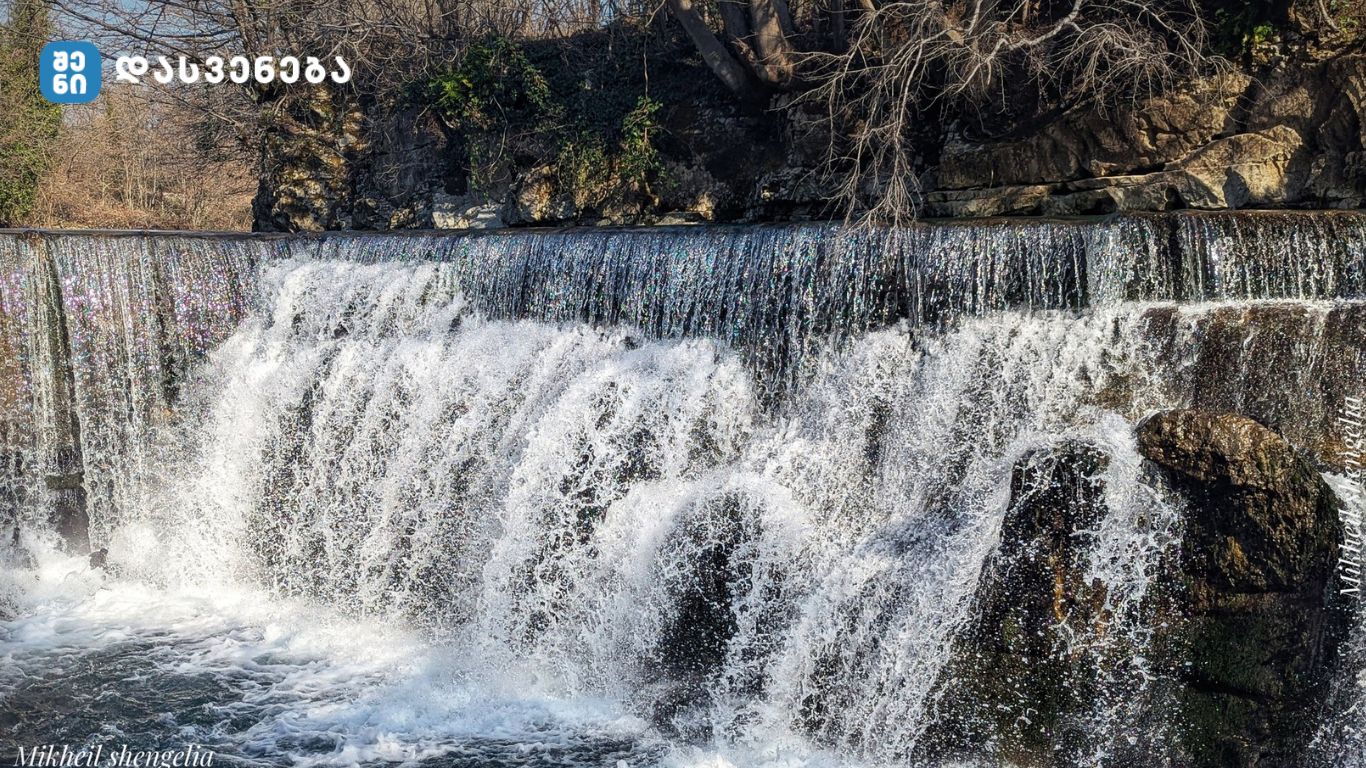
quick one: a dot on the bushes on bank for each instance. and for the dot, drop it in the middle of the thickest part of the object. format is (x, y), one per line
(506, 103)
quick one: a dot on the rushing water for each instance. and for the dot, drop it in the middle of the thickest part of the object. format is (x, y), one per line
(680, 497)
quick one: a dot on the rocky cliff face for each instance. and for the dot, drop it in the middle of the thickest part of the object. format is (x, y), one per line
(1288, 132)
(1261, 620)
(1287, 137)
(1019, 683)
(393, 162)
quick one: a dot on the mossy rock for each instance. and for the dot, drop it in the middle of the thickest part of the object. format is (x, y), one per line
(1262, 620)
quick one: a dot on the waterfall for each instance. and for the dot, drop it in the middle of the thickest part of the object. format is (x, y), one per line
(604, 507)
(104, 332)
(742, 481)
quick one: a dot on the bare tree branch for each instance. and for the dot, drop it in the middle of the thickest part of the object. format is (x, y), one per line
(908, 57)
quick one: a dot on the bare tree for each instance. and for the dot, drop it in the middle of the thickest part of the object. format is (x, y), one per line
(131, 160)
(758, 52)
(880, 70)
(713, 52)
(308, 138)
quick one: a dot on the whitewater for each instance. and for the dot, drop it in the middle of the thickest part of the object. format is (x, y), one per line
(367, 506)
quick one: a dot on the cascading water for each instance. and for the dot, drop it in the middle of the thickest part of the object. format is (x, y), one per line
(680, 497)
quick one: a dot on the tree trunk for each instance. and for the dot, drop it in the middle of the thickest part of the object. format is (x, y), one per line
(714, 53)
(735, 21)
(770, 42)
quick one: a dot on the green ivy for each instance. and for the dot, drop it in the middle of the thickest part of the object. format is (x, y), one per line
(31, 122)
(492, 82)
(639, 157)
(1238, 29)
(583, 166)
(497, 97)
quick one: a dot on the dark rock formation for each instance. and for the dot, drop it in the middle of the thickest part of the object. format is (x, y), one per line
(702, 587)
(1016, 682)
(1259, 626)
(1248, 617)
(52, 369)
(64, 481)
(69, 515)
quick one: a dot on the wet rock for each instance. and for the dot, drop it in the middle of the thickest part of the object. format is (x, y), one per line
(1262, 519)
(69, 515)
(703, 569)
(1261, 360)
(13, 553)
(692, 646)
(1248, 617)
(1260, 622)
(1016, 681)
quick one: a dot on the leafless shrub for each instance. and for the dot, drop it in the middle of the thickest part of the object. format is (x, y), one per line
(905, 57)
(134, 161)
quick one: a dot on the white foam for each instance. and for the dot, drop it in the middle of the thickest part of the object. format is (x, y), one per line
(377, 691)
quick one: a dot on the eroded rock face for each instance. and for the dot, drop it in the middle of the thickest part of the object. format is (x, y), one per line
(1245, 615)
(1291, 138)
(1259, 623)
(309, 158)
(1286, 135)
(1213, 361)
(1262, 519)
(1083, 143)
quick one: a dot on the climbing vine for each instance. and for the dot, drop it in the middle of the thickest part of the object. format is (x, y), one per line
(496, 97)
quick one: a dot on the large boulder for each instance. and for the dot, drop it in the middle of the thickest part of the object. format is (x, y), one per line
(1246, 618)
(1018, 685)
(701, 568)
(1259, 620)
(1241, 170)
